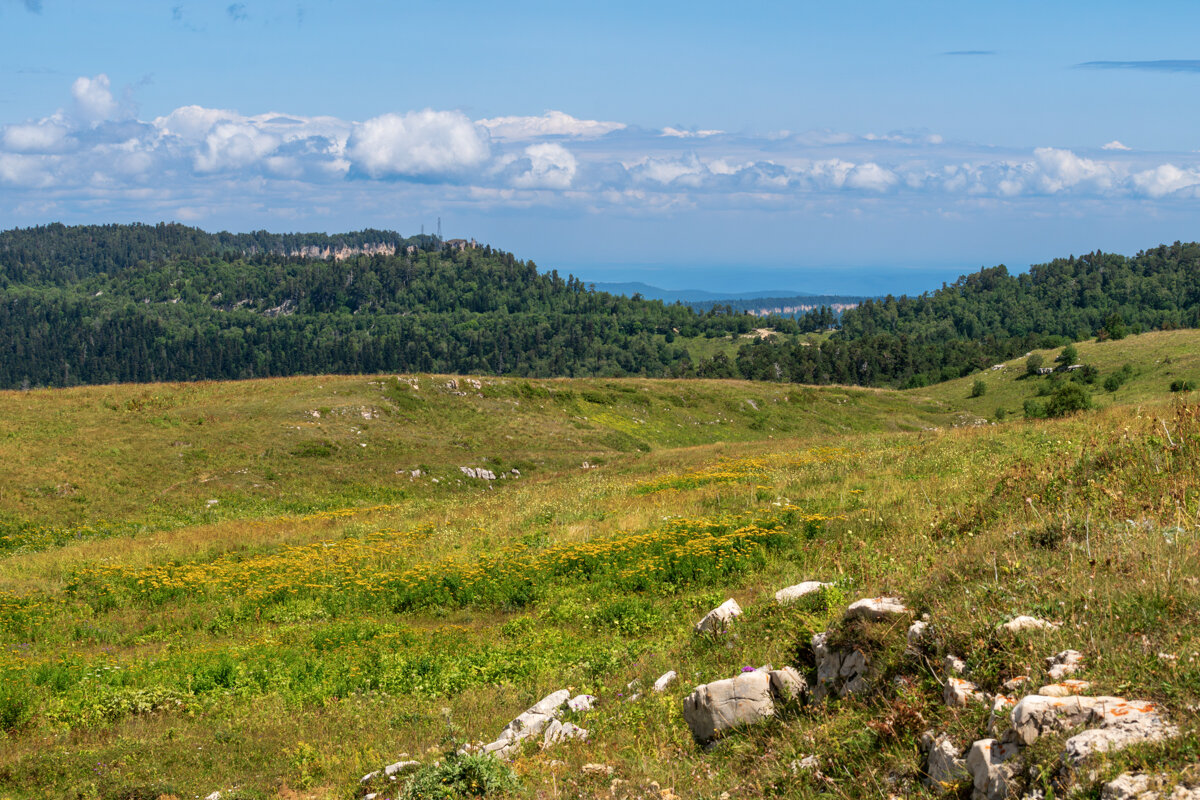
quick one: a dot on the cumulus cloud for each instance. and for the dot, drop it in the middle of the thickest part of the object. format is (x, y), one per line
(1166, 179)
(1114, 145)
(93, 98)
(418, 144)
(552, 123)
(50, 135)
(93, 150)
(545, 166)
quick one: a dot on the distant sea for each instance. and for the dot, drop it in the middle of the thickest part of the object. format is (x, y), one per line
(735, 280)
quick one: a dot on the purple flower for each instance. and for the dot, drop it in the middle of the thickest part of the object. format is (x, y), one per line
(747, 669)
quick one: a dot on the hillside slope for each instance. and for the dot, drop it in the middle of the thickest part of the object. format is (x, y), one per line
(327, 615)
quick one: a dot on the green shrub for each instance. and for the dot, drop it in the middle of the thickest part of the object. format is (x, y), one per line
(1067, 399)
(1033, 364)
(978, 388)
(1001, 413)
(460, 776)
(1182, 385)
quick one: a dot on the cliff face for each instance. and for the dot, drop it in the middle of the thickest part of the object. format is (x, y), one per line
(342, 253)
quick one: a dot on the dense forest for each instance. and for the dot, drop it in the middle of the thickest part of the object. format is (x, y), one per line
(99, 304)
(95, 304)
(983, 318)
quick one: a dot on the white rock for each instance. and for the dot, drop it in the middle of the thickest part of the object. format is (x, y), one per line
(1145, 787)
(558, 731)
(530, 723)
(958, 692)
(1063, 664)
(665, 680)
(876, 609)
(787, 684)
(1035, 715)
(716, 707)
(839, 672)
(954, 665)
(214, 796)
(1015, 684)
(1065, 688)
(1121, 725)
(993, 769)
(718, 620)
(945, 767)
(808, 762)
(793, 593)
(401, 768)
(1026, 623)
(1000, 711)
(596, 769)
(581, 702)
(916, 632)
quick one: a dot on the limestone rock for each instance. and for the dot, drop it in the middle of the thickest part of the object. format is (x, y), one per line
(1036, 715)
(596, 769)
(1065, 688)
(1063, 664)
(665, 680)
(787, 684)
(716, 707)
(401, 768)
(794, 593)
(1026, 623)
(954, 665)
(839, 672)
(719, 619)
(958, 692)
(994, 769)
(1014, 685)
(876, 609)
(1145, 787)
(1121, 725)
(945, 767)
(558, 731)
(530, 723)
(916, 632)
(1000, 711)
(581, 702)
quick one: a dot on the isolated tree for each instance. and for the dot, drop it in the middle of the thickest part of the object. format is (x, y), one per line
(1033, 364)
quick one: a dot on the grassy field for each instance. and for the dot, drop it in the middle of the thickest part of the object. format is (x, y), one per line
(1155, 361)
(331, 611)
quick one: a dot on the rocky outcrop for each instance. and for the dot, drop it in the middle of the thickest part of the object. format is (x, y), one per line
(1146, 787)
(994, 768)
(877, 609)
(839, 672)
(532, 722)
(714, 708)
(793, 593)
(958, 692)
(945, 767)
(720, 618)
(1063, 664)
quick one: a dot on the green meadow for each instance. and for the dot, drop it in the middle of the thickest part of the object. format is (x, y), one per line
(271, 588)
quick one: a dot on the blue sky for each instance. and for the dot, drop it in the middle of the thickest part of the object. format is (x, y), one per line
(856, 147)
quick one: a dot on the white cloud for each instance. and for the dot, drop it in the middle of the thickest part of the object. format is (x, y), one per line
(1062, 169)
(49, 135)
(1115, 145)
(232, 145)
(552, 123)
(685, 134)
(1166, 179)
(417, 144)
(93, 98)
(872, 177)
(551, 166)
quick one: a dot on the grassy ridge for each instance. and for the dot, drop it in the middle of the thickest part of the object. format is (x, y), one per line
(1155, 360)
(291, 638)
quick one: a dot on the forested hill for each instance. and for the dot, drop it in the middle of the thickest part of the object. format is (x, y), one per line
(986, 317)
(95, 304)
